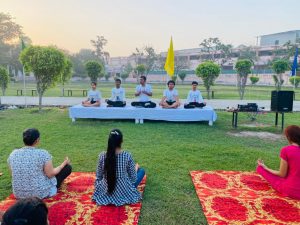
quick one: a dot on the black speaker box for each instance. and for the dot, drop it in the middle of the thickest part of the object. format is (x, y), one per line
(282, 101)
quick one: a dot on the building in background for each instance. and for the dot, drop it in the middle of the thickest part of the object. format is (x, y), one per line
(279, 39)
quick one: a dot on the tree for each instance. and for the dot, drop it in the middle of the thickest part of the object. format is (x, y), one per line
(140, 69)
(243, 67)
(4, 79)
(80, 59)
(247, 52)
(254, 79)
(290, 48)
(126, 71)
(99, 44)
(147, 56)
(47, 64)
(151, 58)
(9, 30)
(94, 70)
(279, 66)
(225, 51)
(66, 74)
(107, 75)
(295, 81)
(209, 46)
(208, 71)
(182, 75)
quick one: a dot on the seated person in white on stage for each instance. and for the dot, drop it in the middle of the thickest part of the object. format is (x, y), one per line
(194, 98)
(94, 97)
(143, 91)
(117, 96)
(170, 98)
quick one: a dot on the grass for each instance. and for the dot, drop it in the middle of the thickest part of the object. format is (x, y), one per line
(220, 91)
(167, 151)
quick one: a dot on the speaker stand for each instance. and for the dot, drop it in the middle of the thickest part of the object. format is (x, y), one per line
(282, 119)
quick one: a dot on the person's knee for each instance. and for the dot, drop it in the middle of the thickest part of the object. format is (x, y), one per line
(68, 169)
(142, 171)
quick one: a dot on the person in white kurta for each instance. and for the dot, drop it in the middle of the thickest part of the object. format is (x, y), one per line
(143, 91)
(117, 96)
(94, 97)
(194, 98)
(170, 98)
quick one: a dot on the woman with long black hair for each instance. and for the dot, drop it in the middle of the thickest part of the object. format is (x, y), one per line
(117, 175)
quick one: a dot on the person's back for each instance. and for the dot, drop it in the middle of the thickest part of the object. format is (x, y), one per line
(117, 175)
(291, 154)
(33, 174)
(28, 177)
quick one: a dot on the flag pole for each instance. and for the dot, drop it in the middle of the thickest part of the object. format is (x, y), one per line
(24, 87)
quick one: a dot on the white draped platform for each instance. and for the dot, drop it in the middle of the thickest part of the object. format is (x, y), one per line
(140, 114)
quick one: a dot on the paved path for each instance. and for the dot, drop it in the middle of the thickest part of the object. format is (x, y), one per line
(220, 104)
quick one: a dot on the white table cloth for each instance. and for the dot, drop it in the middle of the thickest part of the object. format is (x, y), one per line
(140, 114)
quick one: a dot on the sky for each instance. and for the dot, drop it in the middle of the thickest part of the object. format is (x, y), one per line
(127, 24)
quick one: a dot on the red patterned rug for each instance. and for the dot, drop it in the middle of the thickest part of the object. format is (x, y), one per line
(232, 197)
(73, 205)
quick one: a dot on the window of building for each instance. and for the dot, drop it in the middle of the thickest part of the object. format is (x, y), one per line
(194, 57)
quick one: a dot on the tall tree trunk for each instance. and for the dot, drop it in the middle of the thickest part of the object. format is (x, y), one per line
(40, 102)
(208, 92)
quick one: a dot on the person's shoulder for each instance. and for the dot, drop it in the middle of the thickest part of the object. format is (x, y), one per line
(127, 154)
(102, 154)
(42, 151)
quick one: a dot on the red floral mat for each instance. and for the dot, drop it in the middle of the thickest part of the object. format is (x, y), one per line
(73, 205)
(232, 197)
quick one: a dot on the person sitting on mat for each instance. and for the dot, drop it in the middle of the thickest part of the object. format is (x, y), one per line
(117, 176)
(28, 211)
(143, 91)
(287, 179)
(170, 98)
(117, 96)
(32, 170)
(194, 98)
(94, 97)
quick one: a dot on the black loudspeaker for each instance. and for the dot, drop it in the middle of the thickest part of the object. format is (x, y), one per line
(282, 101)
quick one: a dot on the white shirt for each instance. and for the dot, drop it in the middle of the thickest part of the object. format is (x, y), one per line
(118, 94)
(195, 96)
(95, 95)
(170, 95)
(143, 97)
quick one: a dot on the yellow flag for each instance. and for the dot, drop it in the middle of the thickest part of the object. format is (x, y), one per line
(169, 65)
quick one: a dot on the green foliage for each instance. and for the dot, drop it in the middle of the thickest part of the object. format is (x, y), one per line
(140, 69)
(208, 71)
(174, 78)
(126, 71)
(243, 67)
(295, 81)
(9, 30)
(168, 199)
(47, 64)
(279, 66)
(182, 75)
(66, 72)
(254, 79)
(94, 70)
(99, 44)
(4, 79)
(107, 76)
(248, 52)
(80, 59)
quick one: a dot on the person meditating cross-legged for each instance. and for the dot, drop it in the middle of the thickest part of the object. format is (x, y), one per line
(287, 179)
(170, 98)
(94, 97)
(194, 98)
(144, 92)
(117, 96)
(33, 174)
(117, 176)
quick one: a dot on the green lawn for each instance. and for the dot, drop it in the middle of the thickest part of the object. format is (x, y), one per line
(220, 91)
(168, 151)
